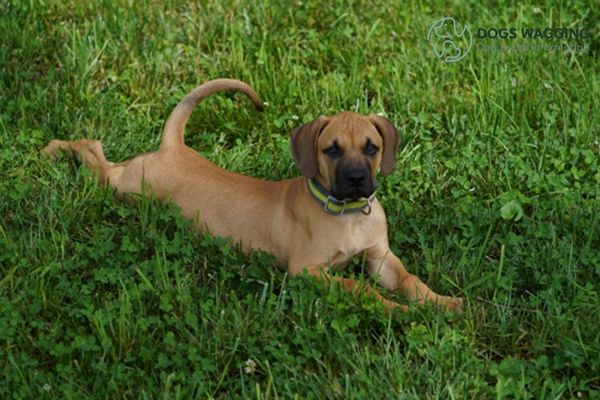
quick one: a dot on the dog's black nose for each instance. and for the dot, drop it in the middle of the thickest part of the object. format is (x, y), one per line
(356, 177)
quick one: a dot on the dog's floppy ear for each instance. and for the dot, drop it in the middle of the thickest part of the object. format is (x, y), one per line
(304, 145)
(391, 141)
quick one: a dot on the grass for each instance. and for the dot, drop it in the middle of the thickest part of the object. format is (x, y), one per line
(495, 198)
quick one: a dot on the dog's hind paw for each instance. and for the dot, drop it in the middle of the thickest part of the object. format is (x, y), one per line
(54, 146)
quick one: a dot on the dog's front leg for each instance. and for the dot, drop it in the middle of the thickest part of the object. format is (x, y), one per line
(392, 275)
(320, 273)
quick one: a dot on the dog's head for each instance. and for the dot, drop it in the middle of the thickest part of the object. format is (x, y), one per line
(345, 152)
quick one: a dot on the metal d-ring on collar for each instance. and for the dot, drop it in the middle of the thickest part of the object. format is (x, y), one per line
(333, 206)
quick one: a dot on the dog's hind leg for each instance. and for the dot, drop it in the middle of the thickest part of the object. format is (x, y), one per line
(89, 152)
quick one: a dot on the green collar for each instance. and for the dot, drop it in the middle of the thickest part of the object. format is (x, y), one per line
(333, 206)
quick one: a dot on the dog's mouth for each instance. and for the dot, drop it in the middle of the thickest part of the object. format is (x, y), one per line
(354, 194)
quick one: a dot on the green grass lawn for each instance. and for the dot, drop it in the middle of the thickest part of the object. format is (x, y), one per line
(495, 198)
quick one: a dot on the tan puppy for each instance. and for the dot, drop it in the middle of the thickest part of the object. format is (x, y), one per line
(309, 223)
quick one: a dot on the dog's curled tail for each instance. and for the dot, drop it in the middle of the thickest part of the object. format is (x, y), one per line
(175, 126)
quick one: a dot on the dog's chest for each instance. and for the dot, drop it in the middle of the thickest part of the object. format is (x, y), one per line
(349, 240)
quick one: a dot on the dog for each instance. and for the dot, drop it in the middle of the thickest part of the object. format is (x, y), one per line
(309, 224)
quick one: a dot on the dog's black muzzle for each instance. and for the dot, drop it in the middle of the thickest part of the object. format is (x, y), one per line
(353, 183)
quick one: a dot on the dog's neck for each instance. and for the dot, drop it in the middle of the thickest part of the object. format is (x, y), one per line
(334, 206)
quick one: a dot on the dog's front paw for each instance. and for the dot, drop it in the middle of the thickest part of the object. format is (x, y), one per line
(454, 304)
(392, 305)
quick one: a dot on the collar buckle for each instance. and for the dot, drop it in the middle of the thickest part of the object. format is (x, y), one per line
(368, 208)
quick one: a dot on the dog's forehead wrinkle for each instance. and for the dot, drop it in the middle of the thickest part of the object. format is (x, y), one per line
(350, 132)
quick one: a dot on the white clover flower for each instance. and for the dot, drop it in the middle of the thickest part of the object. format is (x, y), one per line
(250, 367)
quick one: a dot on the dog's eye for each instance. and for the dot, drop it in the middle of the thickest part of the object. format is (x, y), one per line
(371, 149)
(333, 151)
